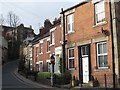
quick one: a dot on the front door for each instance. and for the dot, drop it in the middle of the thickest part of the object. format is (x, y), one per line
(84, 57)
(41, 66)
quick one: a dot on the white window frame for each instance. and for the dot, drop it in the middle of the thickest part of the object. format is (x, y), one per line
(30, 52)
(48, 46)
(52, 38)
(41, 48)
(98, 13)
(70, 23)
(42, 65)
(102, 54)
(36, 51)
(70, 58)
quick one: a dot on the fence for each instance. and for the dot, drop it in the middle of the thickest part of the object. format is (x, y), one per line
(104, 81)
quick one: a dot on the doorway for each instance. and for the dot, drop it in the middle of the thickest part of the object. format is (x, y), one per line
(84, 63)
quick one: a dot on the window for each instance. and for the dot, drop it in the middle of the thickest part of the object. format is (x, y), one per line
(40, 48)
(99, 11)
(71, 58)
(48, 46)
(30, 52)
(41, 66)
(52, 38)
(84, 50)
(36, 51)
(48, 66)
(102, 55)
(70, 23)
(37, 67)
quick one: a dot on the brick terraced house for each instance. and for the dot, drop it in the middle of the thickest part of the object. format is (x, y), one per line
(92, 44)
(92, 31)
(47, 43)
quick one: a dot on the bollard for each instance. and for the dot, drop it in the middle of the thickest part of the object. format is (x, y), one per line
(105, 81)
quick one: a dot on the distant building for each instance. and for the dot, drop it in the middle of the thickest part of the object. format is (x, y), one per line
(3, 47)
(15, 38)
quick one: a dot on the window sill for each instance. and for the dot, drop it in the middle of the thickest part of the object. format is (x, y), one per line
(100, 24)
(48, 52)
(52, 44)
(71, 68)
(102, 69)
(40, 53)
(70, 33)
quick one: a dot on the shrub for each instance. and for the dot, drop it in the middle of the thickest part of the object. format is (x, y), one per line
(43, 75)
(62, 79)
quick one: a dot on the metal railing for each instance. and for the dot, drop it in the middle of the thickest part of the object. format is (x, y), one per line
(103, 80)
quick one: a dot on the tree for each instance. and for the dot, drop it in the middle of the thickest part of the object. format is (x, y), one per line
(2, 20)
(13, 19)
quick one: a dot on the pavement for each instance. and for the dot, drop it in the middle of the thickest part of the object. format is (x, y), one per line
(37, 84)
(46, 84)
(22, 78)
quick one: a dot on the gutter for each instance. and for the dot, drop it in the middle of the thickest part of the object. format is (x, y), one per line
(113, 61)
(75, 6)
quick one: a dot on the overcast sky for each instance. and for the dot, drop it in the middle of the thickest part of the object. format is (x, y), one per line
(34, 12)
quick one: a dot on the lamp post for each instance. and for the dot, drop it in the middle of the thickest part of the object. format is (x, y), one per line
(52, 71)
(63, 45)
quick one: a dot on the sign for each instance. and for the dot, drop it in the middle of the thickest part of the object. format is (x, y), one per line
(52, 59)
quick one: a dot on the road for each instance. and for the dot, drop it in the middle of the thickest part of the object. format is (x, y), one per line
(11, 82)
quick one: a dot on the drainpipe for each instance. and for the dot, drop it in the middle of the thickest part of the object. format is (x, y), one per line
(63, 45)
(113, 61)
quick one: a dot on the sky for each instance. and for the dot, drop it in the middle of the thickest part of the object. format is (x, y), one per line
(34, 12)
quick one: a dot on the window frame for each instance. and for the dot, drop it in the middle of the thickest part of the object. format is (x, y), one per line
(48, 65)
(71, 22)
(96, 14)
(36, 51)
(40, 63)
(52, 38)
(70, 58)
(41, 48)
(101, 54)
(48, 46)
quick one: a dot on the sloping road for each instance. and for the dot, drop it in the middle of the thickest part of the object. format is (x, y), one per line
(11, 82)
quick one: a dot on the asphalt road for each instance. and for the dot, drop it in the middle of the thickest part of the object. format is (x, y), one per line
(11, 82)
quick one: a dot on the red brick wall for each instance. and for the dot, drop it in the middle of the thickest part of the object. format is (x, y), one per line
(57, 34)
(45, 56)
(84, 29)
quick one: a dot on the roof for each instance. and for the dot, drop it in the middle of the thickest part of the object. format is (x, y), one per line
(75, 6)
(6, 28)
(39, 37)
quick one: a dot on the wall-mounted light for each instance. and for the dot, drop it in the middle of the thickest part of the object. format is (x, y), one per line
(106, 32)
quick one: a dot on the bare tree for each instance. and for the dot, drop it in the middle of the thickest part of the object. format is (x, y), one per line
(2, 20)
(13, 19)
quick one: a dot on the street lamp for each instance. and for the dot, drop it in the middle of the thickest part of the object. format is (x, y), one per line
(63, 45)
(52, 71)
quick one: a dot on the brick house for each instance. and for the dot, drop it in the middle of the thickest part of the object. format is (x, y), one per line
(15, 37)
(41, 49)
(92, 34)
(46, 44)
(3, 46)
(55, 44)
